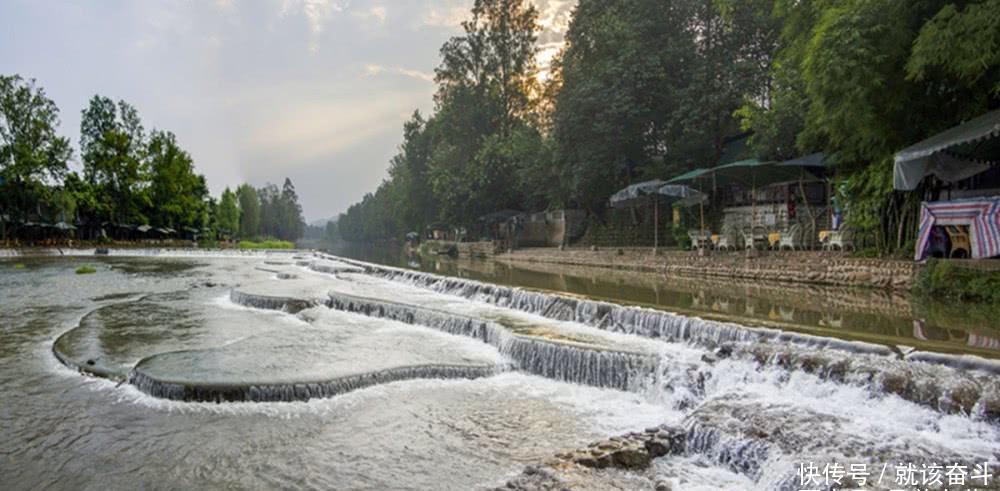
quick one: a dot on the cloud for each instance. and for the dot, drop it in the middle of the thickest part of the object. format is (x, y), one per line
(377, 13)
(304, 133)
(448, 16)
(373, 70)
(317, 13)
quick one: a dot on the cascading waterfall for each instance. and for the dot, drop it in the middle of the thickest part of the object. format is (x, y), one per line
(556, 360)
(936, 380)
(285, 304)
(611, 317)
(292, 391)
(645, 322)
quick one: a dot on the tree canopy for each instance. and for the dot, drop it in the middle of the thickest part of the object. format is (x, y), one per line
(652, 88)
(130, 178)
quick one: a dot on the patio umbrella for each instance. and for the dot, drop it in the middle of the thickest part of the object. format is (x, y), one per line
(655, 190)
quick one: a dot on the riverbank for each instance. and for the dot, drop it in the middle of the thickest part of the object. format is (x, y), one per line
(811, 267)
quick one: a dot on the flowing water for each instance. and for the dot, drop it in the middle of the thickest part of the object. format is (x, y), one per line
(266, 371)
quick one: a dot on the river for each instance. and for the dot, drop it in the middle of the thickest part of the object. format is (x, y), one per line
(179, 371)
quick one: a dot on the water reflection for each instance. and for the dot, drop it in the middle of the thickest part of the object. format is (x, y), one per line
(895, 318)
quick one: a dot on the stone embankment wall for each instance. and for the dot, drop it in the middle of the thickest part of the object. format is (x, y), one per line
(458, 249)
(826, 268)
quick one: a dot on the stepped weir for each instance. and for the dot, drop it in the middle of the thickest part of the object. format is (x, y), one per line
(747, 399)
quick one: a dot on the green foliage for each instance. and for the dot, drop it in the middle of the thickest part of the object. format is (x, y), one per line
(330, 233)
(178, 192)
(267, 244)
(128, 178)
(113, 147)
(31, 152)
(86, 269)
(471, 157)
(249, 211)
(228, 214)
(19, 266)
(961, 44)
(861, 79)
(950, 281)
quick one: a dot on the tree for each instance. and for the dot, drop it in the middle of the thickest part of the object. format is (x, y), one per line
(249, 205)
(177, 194)
(291, 213)
(113, 146)
(484, 84)
(408, 170)
(330, 233)
(31, 153)
(228, 214)
(962, 46)
(270, 213)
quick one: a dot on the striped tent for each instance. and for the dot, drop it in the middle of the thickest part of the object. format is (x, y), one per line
(981, 215)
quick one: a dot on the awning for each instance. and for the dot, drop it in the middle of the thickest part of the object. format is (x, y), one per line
(815, 160)
(754, 173)
(981, 215)
(958, 153)
(690, 176)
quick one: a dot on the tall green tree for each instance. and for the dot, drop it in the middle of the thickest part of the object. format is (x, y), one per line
(623, 62)
(228, 214)
(112, 143)
(293, 225)
(177, 193)
(32, 154)
(270, 211)
(484, 84)
(249, 205)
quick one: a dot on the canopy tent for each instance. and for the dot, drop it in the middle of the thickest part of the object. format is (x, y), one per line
(981, 215)
(757, 173)
(690, 176)
(815, 160)
(655, 190)
(953, 155)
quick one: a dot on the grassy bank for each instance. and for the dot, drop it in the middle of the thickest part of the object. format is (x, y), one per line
(266, 244)
(951, 281)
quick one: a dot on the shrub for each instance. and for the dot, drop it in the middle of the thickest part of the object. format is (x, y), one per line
(85, 269)
(267, 244)
(946, 280)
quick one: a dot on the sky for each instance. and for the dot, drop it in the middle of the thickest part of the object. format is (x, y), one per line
(256, 90)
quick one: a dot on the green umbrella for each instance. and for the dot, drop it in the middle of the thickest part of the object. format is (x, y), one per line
(657, 191)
